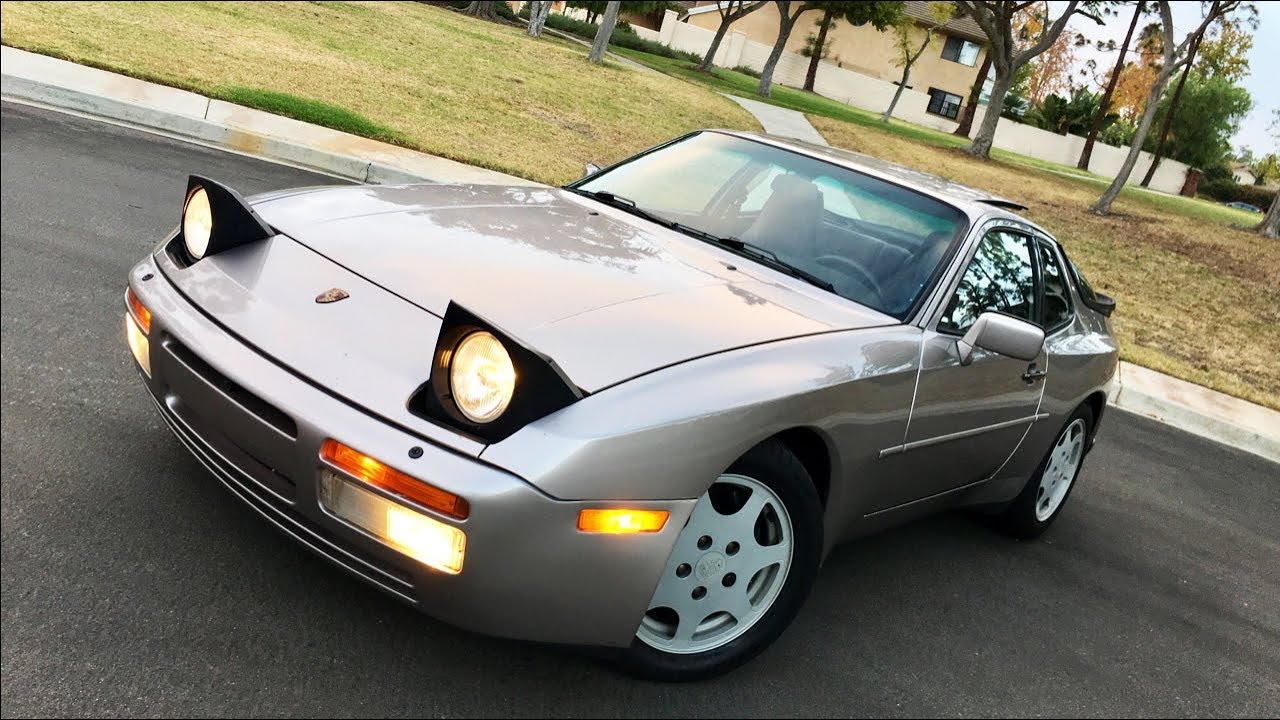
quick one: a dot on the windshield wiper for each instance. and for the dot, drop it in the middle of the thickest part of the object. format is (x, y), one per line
(624, 204)
(760, 254)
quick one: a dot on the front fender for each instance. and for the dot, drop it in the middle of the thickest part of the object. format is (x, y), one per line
(670, 433)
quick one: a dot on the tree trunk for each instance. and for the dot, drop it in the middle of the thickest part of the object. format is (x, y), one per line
(538, 10)
(785, 23)
(816, 57)
(902, 85)
(971, 108)
(601, 43)
(1105, 103)
(981, 146)
(542, 15)
(1103, 205)
(733, 11)
(725, 22)
(1270, 225)
(1168, 116)
(482, 9)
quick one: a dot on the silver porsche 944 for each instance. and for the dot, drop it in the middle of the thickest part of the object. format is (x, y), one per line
(635, 412)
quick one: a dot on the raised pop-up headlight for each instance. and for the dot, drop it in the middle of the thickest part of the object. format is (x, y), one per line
(486, 383)
(217, 218)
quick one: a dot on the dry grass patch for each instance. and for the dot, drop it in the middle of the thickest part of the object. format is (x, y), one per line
(438, 81)
(1197, 299)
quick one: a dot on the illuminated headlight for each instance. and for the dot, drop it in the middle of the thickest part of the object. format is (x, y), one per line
(197, 223)
(422, 538)
(482, 378)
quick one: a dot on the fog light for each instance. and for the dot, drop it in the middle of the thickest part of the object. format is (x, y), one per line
(422, 538)
(138, 343)
(622, 521)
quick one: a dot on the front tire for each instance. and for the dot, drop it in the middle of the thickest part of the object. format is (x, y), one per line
(1045, 494)
(738, 574)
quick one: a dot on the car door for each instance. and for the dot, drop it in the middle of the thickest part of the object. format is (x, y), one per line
(967, 420)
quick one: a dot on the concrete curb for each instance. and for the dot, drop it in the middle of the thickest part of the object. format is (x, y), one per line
(64, 85)
(1198, 410)
(68, 86)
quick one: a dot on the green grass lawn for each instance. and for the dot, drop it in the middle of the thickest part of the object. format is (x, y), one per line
(408, 73)
(736, 83)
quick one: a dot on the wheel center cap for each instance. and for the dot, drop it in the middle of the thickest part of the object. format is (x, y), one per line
(709, 566)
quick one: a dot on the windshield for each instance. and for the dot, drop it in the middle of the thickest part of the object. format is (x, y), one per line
(875, 242)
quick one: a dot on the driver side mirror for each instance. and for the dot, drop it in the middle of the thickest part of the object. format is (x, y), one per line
(1001, 334)
(590, 169)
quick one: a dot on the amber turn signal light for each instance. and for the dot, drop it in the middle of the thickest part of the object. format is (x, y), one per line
(371, 471)
(138, 310)
(622, 521)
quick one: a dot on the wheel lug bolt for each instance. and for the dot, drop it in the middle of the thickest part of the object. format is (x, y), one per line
(704, 542)
(683, 570)
(731, 548)
(728, 580)
(699, 593)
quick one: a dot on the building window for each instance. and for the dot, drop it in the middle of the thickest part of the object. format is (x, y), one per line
(944, 103)
(961, 51)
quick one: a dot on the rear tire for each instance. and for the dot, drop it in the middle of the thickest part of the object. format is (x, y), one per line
(739, 572)
(1046, 492)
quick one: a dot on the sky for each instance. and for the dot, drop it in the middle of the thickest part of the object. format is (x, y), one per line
(1264, 60)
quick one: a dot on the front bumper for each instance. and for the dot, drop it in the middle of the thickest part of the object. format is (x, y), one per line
(258, 427)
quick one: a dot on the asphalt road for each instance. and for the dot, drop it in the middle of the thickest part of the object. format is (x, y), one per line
(133, 584)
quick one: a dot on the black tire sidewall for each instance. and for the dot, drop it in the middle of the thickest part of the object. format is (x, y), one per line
(1020, 520)
(773, 465)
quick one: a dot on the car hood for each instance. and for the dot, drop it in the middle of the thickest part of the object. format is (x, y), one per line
(607, 295)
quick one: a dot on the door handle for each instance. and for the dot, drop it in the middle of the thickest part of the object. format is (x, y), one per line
(1032, 374)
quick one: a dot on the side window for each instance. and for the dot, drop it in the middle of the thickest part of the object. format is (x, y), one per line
(1057, 298)
(999, 278)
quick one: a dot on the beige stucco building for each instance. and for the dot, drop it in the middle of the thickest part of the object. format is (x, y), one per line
(945, 71)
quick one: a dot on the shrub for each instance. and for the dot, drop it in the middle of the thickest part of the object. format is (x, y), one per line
(747, 70)
(623, 36)
(1231, 191)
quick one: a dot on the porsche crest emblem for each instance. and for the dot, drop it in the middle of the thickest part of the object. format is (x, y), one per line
(332, 295)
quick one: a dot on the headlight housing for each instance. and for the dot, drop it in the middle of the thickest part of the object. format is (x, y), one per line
(215, 218)
(482, 379)
(485, 383)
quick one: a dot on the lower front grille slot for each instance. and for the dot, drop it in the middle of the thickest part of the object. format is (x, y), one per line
(282, 515)
(265, 411)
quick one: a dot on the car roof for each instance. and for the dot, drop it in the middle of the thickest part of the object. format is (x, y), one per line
(974, 202)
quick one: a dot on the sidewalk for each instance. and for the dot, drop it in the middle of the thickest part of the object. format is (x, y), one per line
(781, 121)
(104, 95)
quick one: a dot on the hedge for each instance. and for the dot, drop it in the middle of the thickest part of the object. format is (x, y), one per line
(1229, 191)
